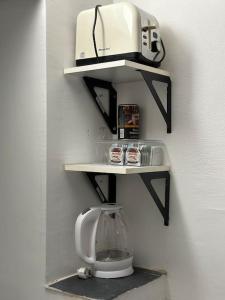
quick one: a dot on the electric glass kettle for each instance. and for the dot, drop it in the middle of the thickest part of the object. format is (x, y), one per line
(101, 239)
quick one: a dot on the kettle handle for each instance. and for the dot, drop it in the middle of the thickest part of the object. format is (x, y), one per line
(87, 216)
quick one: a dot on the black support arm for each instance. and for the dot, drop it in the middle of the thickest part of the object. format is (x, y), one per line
(149, 77)
(111, 118)
(111, 187)
(147, 178)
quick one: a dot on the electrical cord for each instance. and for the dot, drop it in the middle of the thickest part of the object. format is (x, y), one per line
(93, 32)
(95, 46)
(164, 53)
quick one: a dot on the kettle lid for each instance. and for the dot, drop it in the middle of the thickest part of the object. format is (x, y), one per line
(110, 207)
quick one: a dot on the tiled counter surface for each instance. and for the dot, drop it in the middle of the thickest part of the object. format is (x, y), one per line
(141, 284)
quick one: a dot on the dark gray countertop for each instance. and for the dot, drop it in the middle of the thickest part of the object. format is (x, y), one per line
(105, 289)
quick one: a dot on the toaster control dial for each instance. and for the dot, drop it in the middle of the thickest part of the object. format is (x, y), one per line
(155, 35)
(155, 40)
(145, 29)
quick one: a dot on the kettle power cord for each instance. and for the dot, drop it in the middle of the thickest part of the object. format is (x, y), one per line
(164, 53)
(84, 273)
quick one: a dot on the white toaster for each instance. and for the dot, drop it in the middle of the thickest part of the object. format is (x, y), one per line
(118, 31)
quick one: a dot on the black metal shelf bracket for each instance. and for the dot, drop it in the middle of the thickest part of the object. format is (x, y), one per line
(111, 118)
(147, 178)
(111, 187)
(149, 77)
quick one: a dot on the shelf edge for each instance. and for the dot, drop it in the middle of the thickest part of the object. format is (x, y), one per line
(108, 169)
(115, 64)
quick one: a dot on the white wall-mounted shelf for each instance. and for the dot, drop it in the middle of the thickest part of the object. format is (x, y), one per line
(103, 75)
(147, 174)
(111, 169)
(116, 71)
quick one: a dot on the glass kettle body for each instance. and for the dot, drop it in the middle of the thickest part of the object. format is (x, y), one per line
(101, 239)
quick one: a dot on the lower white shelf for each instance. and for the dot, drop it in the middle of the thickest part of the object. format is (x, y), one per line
(103, 168)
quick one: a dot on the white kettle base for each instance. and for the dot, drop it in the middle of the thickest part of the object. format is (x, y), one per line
(113, 269)
(114, 274)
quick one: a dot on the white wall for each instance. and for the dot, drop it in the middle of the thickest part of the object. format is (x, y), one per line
(73, 125)
(191, 249)
(22, 149)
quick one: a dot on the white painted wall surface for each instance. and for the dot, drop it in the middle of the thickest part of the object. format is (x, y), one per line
(22, 149)
(73, 124)
(191, 249)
